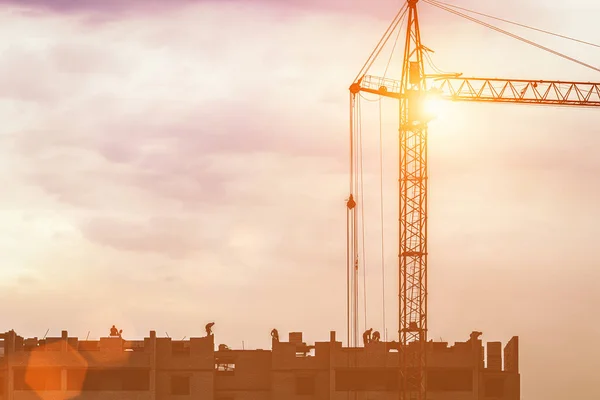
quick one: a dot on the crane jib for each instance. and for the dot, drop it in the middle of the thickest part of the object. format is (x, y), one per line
(540, 92)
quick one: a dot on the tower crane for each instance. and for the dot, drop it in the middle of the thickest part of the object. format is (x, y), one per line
(412, 91)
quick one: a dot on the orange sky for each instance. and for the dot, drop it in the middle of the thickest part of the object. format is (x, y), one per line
(164, 167)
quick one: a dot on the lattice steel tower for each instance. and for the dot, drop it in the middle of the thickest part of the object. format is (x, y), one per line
(413, 216)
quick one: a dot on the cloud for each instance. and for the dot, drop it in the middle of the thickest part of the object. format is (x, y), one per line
(146, 135)
(118, 134)
(119, 8)
(156, 235)
(69, 6)
(171, 168)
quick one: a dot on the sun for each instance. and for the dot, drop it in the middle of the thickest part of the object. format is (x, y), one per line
(424, 106)
(433, 106)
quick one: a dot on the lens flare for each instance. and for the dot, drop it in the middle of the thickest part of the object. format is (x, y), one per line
(432, 106)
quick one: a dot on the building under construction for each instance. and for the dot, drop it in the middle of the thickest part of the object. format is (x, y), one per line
(158, 368)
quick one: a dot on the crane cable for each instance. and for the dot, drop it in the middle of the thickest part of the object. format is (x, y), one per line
(397, 24)
(381, 197)
(382, 42)
(352, 220)
(349, 210)
(381, 222)
(435, 68)
(431, 63)
(517, 24)
(357, 222)
(362, 208)
(355, 246)
(473, 19)
(357, 163)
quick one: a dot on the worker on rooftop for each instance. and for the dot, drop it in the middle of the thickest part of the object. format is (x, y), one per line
(376, 337)
(367, 336)
(209, 328)
(275, 335)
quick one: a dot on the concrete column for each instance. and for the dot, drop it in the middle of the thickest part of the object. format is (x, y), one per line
(64, 337)
(9, 349)
(153, 365)
(494, 356)
(4, 364)
(9, 342)
(333, 352)
(477, 357)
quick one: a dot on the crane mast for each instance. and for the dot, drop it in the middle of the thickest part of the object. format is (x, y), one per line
(412, 246)
(412, 216)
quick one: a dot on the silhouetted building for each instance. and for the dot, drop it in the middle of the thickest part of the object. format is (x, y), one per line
(161, 368)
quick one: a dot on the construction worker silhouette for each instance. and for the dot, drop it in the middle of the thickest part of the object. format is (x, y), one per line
(367, 336)
(209, 328)
(376, 336)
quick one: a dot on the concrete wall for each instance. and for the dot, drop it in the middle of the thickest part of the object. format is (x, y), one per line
(291, 370)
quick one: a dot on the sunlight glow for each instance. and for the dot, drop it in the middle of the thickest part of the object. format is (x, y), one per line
(424, 107)
(433, 106)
